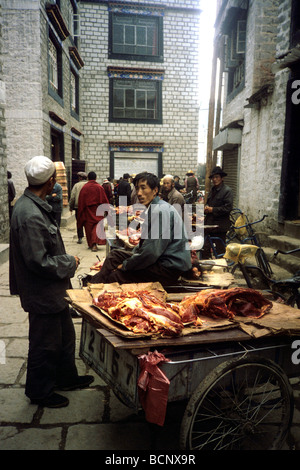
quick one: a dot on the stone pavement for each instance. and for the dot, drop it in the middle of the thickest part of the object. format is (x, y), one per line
(95, 419)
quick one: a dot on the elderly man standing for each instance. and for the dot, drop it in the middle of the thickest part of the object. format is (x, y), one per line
(217, 211)
(171, 195)
(40, 272)
(73, 202)
(91, 196)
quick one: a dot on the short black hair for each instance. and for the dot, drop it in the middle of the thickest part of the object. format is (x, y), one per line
(126, 176)
(151, 179)
(92, 175)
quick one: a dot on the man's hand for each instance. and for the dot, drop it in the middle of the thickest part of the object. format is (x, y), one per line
(120, 266)
(77, 261)
(208, 209)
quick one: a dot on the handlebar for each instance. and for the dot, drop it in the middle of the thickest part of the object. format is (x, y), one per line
(251, 223)
(286, 252)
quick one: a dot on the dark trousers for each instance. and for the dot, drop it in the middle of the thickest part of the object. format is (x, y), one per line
(51, 355)
(79, 229)
(220, 247)
(154, 273)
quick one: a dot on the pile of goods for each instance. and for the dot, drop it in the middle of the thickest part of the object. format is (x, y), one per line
(141, 312)
(219, 303)
(132, 235)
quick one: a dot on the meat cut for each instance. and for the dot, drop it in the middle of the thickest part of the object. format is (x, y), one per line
(141, 312)
(227, 303)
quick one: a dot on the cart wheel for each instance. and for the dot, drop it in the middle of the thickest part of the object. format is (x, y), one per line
(242, 404)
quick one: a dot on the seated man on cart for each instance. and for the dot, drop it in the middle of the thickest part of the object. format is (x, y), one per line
(163, 252)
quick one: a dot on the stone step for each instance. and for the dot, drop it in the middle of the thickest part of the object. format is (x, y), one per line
(292, 228)
(288, 262)
(284, 243)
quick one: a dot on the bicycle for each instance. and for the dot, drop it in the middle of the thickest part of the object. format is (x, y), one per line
(288, 290)
(251, 237)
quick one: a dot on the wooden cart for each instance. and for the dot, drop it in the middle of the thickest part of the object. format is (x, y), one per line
(234, 378)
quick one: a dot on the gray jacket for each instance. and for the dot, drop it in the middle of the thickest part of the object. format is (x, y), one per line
(163, 239)
(39, 268)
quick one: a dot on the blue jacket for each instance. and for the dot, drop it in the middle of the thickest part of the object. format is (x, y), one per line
(163, 239)
(39, 268)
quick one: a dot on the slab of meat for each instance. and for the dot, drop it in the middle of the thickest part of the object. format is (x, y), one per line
(141, 312)
(219, 303)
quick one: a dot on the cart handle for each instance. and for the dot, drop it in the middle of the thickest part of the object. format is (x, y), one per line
(226, 355)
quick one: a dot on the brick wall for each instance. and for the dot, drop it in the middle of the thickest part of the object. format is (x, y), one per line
(179, 130)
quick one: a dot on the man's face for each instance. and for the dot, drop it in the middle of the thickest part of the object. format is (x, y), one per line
(168, 185)
(217, 180)
(51, 184)
(144, 193)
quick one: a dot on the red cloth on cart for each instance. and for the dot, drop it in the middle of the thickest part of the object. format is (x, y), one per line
(153, 387)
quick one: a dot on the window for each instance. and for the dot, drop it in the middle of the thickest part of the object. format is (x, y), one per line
(235, 56)
(73, 21)
(55, 69)
(136, 37)
(74, 85)
(135, 101)
(53, 66)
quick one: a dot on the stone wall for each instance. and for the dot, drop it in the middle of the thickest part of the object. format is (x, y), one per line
(21, 73)
(179, 130)
(4, 217)
(25, 72)
(264, 122)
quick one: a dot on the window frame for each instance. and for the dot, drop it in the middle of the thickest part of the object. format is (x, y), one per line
(55, 92)
(235, 59)
(131, 56)
(74, 111)
(158, 86)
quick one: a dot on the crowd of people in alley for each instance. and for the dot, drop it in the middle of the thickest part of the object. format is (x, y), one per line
(87, 194)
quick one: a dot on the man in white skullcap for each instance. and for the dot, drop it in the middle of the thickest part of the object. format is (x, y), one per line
(40, 272)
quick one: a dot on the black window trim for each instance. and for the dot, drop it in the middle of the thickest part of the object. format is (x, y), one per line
(131, 57)
(134, 120)
(74, 71)
(58, 96)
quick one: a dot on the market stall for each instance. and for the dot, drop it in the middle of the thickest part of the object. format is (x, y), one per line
(231, 368)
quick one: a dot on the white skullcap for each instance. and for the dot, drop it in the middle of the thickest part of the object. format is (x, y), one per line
(169, 177)
(38, 170)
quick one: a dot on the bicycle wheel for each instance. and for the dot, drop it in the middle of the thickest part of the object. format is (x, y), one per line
(244, 404)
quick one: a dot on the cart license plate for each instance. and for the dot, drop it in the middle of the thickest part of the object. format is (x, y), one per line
(118, 368)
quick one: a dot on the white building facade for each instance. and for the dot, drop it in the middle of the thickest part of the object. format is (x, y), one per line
(140, 86)
(255, 40)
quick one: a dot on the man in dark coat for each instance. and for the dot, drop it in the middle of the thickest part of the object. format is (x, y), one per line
(217, 210)
(40, 272)
(124, 191)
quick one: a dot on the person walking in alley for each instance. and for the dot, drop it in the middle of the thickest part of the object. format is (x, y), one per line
(73, 202)
(40, 272)
(91, 196)
(191, 185)
(11, 192)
